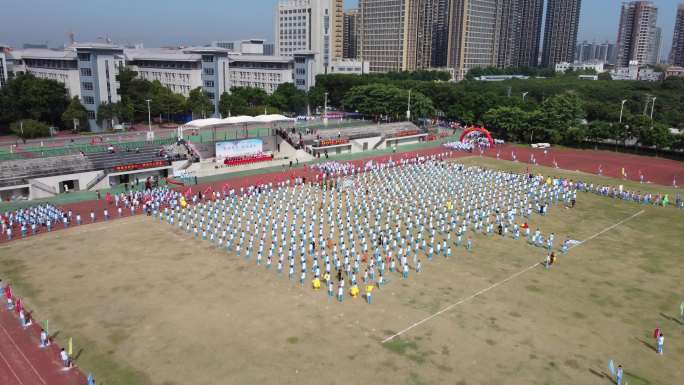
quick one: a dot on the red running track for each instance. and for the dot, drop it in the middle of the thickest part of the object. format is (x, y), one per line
(23, 362)
(655, 170)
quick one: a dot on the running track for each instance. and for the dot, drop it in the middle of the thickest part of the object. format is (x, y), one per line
(22, 362)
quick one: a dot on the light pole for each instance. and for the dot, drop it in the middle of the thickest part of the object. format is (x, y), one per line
(408, 109)
(149, 115)
(622, 107)
(325, 110)
(523, 95)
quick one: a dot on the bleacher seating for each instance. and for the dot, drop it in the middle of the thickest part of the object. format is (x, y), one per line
(107, 160)
(19, 171)
(15, 172)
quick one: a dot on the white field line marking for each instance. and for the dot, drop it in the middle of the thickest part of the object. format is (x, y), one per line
(521, 272)
(10, 368)
(23, 355)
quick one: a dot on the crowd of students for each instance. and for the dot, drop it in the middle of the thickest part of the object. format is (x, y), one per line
(350, 241)
(45, 217)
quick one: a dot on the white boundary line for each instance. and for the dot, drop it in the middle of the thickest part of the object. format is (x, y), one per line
(521, 272)
(10, 368)
(42, 380)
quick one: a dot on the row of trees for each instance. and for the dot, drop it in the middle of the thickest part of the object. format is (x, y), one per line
(557, 109)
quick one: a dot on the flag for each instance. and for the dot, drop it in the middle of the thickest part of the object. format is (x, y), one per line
(681, 308)
(611, 367)
(188, 193)
(47, 327)
(70, 349)
(8, 292)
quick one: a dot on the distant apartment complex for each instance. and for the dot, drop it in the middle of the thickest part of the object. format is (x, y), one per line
(677, 52)
(383, 28)
(587, 52)
(637, 33)
(404, 35)
(350, 34)
(560, 31)
(473, 41)
(4, 71)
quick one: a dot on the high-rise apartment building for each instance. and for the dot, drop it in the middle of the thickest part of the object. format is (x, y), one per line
(677, 52)
(440, 34)
(351, 30)
(308, 26)
(560, 31)
(474, 34)
(384, 34)
(421, 18)
(4, 72)
(587, 52)
(336, 29)
(637, 33)
(528, 34)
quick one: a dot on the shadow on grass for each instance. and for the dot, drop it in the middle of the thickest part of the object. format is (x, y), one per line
(78, 354)
(646, 344)
(601, 375)
(670, 318)
(54, 335)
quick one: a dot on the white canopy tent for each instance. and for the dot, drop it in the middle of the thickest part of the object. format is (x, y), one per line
(211, 123)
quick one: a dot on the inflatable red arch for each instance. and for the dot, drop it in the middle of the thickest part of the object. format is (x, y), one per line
(481, 130)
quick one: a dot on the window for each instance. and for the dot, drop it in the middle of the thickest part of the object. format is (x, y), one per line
(208, 71)
(86, 72)
(84, 57)
(207, 58)
(91, 114)
(88, 86)
(209, 83)
(210, 95)
(88, 100)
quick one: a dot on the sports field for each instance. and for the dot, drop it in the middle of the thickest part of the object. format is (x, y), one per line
(146, 303)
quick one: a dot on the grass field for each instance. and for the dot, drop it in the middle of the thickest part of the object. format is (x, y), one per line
(147, 304)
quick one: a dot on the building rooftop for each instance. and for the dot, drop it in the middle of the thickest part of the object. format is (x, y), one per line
(43, 53)
(260, 58)
(104, 46)
(208, 50)
(160, 54)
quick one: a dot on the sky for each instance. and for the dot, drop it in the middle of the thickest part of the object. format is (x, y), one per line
(197, 22)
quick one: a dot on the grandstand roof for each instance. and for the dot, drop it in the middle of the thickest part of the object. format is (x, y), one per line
(242, 119)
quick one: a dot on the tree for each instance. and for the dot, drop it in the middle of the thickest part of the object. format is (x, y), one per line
(381, 100)
(510, 122)
(232, 105)
(105, 115)
(29, 97)
(288, 98)
(560, 113)
(598, 130)
(29, 129)
(75, 112)
(199, 103)
(252, 95)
